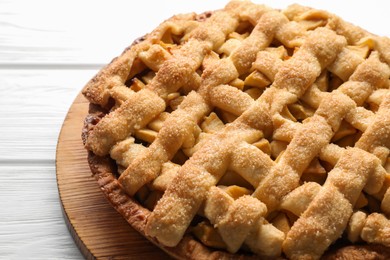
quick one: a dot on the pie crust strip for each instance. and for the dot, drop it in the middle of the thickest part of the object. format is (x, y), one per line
(329, 212)
(179, 203)
(174, 130)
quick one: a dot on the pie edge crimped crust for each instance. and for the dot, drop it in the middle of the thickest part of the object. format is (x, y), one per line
(343, 28)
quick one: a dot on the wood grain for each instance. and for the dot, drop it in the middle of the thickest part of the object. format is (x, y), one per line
(33, 105)
(73, 33)
(99, 231)
(90, 33)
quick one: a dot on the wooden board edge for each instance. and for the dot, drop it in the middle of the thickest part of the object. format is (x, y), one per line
(85, 251)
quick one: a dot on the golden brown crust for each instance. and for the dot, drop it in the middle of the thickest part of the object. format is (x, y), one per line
(105, 173)
(323, 48)
(189, 248)
(368, 252)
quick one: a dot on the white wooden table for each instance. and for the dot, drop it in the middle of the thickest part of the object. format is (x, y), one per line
(48, 51)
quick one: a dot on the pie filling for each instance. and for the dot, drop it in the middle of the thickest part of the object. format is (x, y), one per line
(255, 130)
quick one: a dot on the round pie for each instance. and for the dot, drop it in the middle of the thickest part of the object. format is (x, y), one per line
(248, 132)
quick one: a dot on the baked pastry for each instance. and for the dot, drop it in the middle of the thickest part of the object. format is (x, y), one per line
(248, 132)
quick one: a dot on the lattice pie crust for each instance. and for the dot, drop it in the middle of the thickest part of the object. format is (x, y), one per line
(248, 132)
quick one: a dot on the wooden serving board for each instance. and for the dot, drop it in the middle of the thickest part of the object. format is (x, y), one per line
(98, 230)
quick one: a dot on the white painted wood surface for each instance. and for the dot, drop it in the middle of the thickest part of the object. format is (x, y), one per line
(48, 51)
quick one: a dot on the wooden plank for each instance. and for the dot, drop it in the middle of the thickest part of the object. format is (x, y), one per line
(91, 33)
(80, 32)
(98, 229)
(33, 105)
(32, 225)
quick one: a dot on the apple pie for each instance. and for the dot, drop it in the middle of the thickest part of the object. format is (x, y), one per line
(248, 132)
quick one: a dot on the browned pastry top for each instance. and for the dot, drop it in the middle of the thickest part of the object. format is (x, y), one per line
(248, 131)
